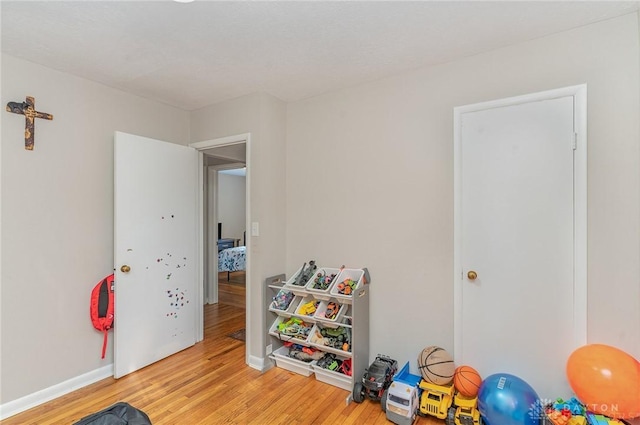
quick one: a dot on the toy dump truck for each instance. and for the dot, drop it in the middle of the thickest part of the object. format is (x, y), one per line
(464, 411)
(403, 397)
(435, 399)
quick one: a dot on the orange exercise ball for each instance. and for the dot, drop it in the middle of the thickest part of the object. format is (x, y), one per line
(606, 380)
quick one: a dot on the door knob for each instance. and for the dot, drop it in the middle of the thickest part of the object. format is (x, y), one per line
(125, 269)
(472, 275)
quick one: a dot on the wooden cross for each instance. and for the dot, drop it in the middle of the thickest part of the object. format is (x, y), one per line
(28, 109)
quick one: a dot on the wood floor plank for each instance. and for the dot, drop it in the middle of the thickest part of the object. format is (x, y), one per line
(210, 383)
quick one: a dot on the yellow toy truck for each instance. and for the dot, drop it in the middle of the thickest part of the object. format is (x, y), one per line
(464, 411)
(435, 399)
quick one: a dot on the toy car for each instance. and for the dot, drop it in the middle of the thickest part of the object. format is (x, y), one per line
(376, 379)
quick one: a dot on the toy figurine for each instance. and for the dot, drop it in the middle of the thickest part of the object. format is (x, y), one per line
(305, 273)
(282, 300)
(347, 286)
(322, 281)
(332, 310)
(309, 308)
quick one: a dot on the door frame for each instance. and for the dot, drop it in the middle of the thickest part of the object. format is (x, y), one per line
(579, 93)
(211, 217)
(200, 147)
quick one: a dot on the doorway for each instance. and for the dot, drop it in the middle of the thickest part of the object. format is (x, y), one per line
(227, 237)
(520, 236)
(220, 156)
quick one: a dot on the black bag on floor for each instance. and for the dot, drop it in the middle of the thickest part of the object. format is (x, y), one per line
(119, 414)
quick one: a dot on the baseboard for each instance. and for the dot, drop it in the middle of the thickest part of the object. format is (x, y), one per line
(35, 399)
(268, 365)
(258, 363)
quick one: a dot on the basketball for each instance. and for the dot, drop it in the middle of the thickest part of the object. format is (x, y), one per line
(436, 365)
(467, 381)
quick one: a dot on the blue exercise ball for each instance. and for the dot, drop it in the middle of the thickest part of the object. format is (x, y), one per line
(505, 399)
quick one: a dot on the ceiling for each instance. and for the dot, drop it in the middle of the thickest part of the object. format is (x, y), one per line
(226, 155)
(197, 54)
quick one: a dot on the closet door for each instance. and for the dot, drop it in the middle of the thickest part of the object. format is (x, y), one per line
(517, 309)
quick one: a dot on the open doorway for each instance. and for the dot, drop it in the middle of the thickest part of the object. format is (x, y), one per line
(227, 195)
(225, 218)
(225, 215)
(225, 153)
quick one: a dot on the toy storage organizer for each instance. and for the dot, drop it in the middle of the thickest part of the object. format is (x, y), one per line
(352, 313)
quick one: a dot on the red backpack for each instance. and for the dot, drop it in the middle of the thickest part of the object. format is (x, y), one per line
(102, 308)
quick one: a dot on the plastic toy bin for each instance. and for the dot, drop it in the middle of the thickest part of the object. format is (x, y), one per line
(290, 308)
(334, 322)
(314, 286)
(356, 275)
(284, 336)
(336, 379)
(300, 309)
(293, 365)
(341, 331)
(296, 289)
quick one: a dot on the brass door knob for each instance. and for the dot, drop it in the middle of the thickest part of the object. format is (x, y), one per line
(472, 275)
(125, 269)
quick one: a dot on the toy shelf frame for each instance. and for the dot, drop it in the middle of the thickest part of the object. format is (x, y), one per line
(357, 310)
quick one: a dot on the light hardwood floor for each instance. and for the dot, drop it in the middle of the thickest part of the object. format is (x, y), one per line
(209, 383)
(232, 291)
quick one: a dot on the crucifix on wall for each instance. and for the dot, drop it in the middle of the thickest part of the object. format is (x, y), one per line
(28, 109)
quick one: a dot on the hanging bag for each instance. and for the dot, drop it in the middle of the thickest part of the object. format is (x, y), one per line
(102, 308)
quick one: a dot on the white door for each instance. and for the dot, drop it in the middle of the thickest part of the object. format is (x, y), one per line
(155, 236)
(515, 229)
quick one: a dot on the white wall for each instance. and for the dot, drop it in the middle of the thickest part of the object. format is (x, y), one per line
(378, 158)
(368, 182)
(232, 205)
(57, 219)
(263, 116)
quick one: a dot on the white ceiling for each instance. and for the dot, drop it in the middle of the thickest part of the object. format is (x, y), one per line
(230, 154)
(197, 54)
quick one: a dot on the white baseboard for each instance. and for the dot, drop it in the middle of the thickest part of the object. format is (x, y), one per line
(262, 364)
(32, 400)
(258, 363)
